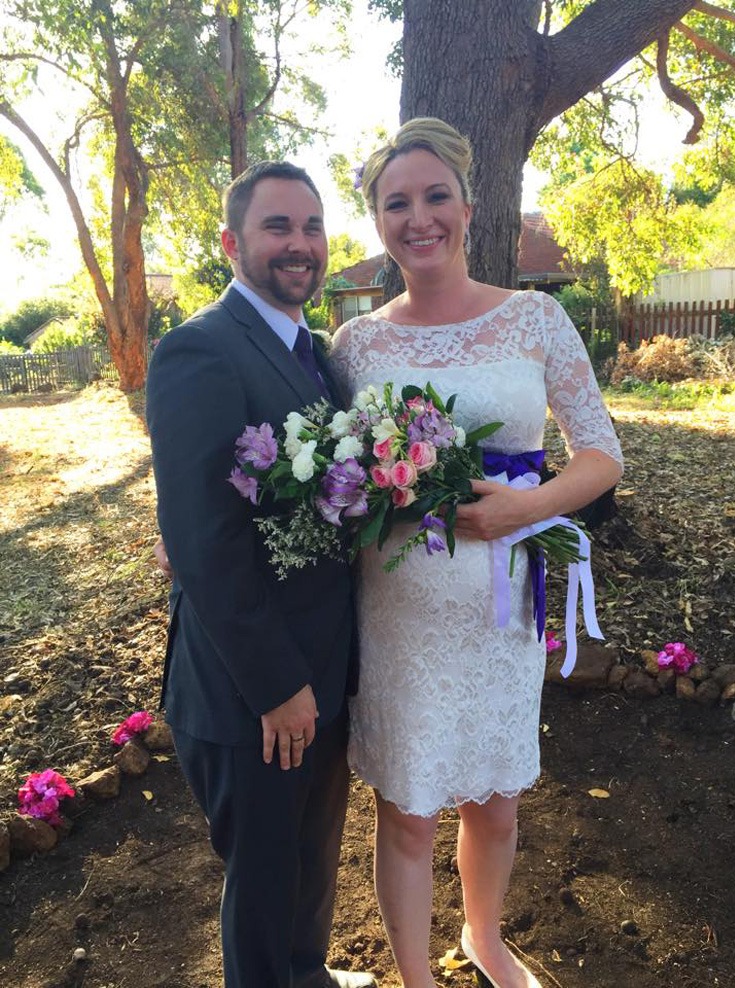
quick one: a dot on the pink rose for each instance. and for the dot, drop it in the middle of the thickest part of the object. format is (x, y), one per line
(402, 497)
(422, 455)
(384, 448)
(381, 476)
(404, 474)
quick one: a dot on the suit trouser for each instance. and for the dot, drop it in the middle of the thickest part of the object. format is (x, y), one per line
(278, 833)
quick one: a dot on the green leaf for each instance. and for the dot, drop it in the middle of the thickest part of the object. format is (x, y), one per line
(410, 391)
(438, 403)
(482, 432)
(450, 403)
(370, 533)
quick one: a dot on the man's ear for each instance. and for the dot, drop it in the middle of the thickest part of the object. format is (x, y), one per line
(229, 244)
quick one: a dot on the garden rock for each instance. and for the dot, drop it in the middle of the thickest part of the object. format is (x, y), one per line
(639, 683)
(132, 759)
(4, 847)
(104, 784)
(594, 663)
(708, 693)
(30, 836)
(158, 737)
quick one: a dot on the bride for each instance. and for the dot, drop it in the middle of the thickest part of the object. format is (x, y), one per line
(447, 712)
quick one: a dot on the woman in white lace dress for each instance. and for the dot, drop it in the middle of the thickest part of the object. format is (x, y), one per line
(448, 707)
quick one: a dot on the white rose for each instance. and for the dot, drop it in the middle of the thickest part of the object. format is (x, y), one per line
(303, 463)
(460, 436)
(384, 430)
(347, 447)
(292, 447)
(341, 423)
(294, 424)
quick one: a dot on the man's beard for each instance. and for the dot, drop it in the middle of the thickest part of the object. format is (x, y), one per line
(294, 295)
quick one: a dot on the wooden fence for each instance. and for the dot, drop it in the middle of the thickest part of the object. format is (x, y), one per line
(676, 319)
(54, 371)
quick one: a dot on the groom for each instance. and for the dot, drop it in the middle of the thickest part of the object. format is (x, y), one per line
(256, 669)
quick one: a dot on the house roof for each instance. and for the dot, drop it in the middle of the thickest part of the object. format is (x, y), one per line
(539, 255)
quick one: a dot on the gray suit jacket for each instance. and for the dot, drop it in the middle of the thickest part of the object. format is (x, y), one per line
(241, 642)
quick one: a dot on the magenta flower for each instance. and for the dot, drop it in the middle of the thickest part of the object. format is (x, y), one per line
(343, 493)
(137, 723)
(678, 656)
(246, 486)
(552, 642)
(41, 794)
(257, 446)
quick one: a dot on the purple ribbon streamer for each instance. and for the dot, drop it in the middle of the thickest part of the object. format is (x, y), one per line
(517, 465)
(521, 471)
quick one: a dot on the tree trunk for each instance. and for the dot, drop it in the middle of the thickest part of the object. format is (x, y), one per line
(232, 59)
(482, 66)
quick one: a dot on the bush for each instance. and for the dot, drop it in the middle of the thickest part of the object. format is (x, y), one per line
(661, 359)
(65, 336)
(8, 348)
(29, 316)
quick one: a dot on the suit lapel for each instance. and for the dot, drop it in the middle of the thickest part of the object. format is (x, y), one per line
(270, 345)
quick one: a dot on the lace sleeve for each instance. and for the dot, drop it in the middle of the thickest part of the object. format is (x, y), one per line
(341, 357)
(573, 393)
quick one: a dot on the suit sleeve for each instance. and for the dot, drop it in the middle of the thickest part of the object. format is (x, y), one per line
(196, 408)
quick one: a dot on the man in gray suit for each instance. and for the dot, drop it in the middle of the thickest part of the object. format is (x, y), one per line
(257, 669)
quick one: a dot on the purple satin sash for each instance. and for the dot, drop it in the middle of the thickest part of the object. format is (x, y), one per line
(521, 471)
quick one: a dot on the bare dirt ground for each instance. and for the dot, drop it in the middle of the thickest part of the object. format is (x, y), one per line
(634, 890)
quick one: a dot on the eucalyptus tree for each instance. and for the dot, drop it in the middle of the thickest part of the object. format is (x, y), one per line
(502, 70)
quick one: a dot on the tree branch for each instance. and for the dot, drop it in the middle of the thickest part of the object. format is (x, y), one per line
(598, 42)
(675, 93)
(709, 8)
(704, 44)
(28, 56)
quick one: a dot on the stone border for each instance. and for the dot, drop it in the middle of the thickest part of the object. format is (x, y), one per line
(22, 836)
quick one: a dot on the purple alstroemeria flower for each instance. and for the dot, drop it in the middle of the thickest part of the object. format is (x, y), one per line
(246, 486)
(343, 493)
(431, 427)
(257, 446)
(433, 526)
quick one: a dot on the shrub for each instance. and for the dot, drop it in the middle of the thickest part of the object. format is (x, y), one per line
(661, 359)
(29, 316)
(64, 336)
(6, 347)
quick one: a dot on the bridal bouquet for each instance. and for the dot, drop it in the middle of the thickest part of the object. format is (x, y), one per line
(348, 477)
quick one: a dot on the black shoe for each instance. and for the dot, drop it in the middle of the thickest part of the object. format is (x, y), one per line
(351, 979)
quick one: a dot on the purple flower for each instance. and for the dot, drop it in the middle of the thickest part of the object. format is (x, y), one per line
(433, 526)
(343, 493)
(257, 446)
(246, 486)
(431, 427)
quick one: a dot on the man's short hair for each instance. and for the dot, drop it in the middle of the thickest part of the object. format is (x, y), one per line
(239, 192)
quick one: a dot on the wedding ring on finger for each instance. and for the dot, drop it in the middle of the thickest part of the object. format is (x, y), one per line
(301, 739)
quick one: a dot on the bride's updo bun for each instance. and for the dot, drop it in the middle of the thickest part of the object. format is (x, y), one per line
(426, 134)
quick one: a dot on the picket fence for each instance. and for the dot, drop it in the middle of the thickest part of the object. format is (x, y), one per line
(676, 319)
(54, 371)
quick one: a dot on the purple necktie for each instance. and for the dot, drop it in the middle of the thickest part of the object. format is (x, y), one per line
(305, 356)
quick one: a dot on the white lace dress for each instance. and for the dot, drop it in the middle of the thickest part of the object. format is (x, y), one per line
(448, 705)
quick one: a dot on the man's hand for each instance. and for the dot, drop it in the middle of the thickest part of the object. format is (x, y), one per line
(162, 560)
(292, 726)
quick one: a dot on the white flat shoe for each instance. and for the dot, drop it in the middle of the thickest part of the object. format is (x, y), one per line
(482, 976)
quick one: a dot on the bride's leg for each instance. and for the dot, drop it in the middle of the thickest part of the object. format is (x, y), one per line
(486, 848)
(403, 882)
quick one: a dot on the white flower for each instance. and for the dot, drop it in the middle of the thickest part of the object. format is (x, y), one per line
(294, 424)
(384, 430)
(347, 446)
(303, 463)
(366, 397)
(292, 447)
(341, 423)
(460, 436)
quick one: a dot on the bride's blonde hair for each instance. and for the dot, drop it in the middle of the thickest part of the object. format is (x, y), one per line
(426, 134)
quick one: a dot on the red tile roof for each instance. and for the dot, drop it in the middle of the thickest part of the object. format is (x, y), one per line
(539, 254)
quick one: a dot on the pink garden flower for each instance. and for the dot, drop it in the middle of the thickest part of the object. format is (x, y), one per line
(381, 477)
(41, 794)
(137, 723)
(552, 642)
(678, 656)
(383, 449)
